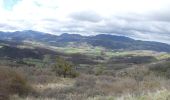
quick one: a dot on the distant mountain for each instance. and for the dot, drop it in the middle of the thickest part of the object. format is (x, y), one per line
(104, 40)
(25, 35)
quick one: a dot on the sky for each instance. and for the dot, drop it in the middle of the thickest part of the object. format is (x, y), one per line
(140, 19)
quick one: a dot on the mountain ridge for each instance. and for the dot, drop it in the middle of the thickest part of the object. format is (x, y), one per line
(107, 41)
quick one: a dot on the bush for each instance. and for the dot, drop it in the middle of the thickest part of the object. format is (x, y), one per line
(161, 69)
(64, 68)
(11, 83)
(98, 70)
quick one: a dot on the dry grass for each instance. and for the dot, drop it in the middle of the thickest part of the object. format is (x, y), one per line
(11, 82)
(137, 83)
(158, 95)
(62, 83)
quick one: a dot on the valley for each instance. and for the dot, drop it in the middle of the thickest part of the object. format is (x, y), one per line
(95, 72)
(84, 50)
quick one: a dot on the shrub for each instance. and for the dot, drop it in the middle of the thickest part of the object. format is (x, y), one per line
(161, 69)
(11, 83)
(64, 68)
(98, 70)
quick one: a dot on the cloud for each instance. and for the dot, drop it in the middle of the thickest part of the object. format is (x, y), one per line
(162, 15)
(89, 16)
(140, 19)
(5, 27)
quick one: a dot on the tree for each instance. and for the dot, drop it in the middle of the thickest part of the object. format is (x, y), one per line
(102, 53)
(64, 68)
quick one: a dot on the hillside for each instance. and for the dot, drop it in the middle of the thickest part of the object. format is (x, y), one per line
(95, 67)
(103, 40)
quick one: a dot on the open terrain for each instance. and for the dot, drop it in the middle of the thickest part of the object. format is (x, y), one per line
(36, 70)
(84, 50)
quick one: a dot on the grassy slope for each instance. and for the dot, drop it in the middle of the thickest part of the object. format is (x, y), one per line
(102, 87)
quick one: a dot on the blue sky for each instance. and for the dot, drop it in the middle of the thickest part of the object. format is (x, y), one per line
(139, 19)
(9, 4)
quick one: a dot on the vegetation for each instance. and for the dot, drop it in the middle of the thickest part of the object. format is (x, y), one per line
(82, 72)
(11, 83)
(161, 69)
(64, 68)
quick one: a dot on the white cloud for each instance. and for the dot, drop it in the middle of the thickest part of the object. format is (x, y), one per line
(141, 19)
